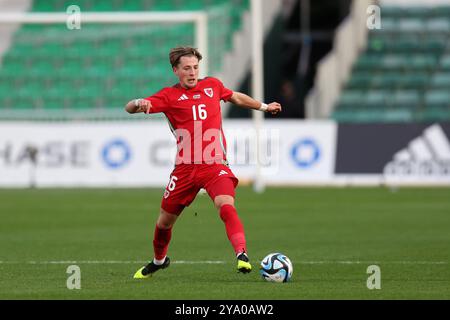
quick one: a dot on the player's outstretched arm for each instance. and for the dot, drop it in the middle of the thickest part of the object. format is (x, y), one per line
(138, 105)
(244, 101)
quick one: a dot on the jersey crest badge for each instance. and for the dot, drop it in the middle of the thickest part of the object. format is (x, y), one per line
(209, 92)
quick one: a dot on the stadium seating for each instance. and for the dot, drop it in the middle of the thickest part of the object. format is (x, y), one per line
(102, 66)
(404, 73)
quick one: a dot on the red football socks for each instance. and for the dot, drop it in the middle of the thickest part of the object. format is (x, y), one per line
(161, 242)
(234, 228)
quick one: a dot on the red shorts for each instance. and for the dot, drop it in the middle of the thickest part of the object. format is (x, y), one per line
(186, 180)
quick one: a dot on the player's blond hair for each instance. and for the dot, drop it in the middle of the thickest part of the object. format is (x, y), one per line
(178, 52)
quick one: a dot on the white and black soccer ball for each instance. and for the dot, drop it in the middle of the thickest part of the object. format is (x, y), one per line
(276, 267)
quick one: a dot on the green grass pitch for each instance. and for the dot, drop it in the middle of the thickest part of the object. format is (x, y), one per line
(331, 234)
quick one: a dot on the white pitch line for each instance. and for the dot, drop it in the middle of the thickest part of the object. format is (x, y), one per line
(373, 262)
(105, 262)
(222, 262)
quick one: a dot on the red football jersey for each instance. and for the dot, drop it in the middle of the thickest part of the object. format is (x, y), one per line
(195, 119)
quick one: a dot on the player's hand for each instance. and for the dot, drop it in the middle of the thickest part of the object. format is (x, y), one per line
(144, 106)
(274, 108)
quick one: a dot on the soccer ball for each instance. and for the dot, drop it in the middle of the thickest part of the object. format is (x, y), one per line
(276, 267)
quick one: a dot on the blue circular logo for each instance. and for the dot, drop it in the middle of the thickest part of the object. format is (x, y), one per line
(116, 153)
(305, 153)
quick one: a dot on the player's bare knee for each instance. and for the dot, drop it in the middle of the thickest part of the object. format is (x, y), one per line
(166, 220)
(164, 225)
(222, 200)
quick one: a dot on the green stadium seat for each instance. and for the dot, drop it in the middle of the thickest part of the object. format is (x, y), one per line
(376, 115)
(445, 62)
(24, 103)
(50, 103)
(437, 99)
(90, 92)
(388, 25)
(411, 25)
(6, 102)
(104, 5)
(367, 62)
(441, 80)
(60, 90)
(350, 99)
(193, 5)
(398, 62)
(405, 44)
(81, 103)
(5, 90)
(438, 25)
(342, 115)
(405, 99)
(436, 114)
(410, 11)
(393, 12)
(417, 12)
(408, 80)
(441, 11)
(360, 81)
(31, 89)
(44, 6)
(434, 44)
(99, 69)
(375, 99)
(422, 62)
(71, 68)
(386, 80)
(397, 115)
(414, 80)
(393, 62)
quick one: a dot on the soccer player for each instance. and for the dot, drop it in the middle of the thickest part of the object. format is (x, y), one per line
(192, 108)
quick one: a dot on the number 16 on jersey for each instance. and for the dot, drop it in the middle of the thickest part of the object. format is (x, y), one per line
(199, 112)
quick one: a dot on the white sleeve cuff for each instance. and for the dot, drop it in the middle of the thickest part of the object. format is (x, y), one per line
(263, 107)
